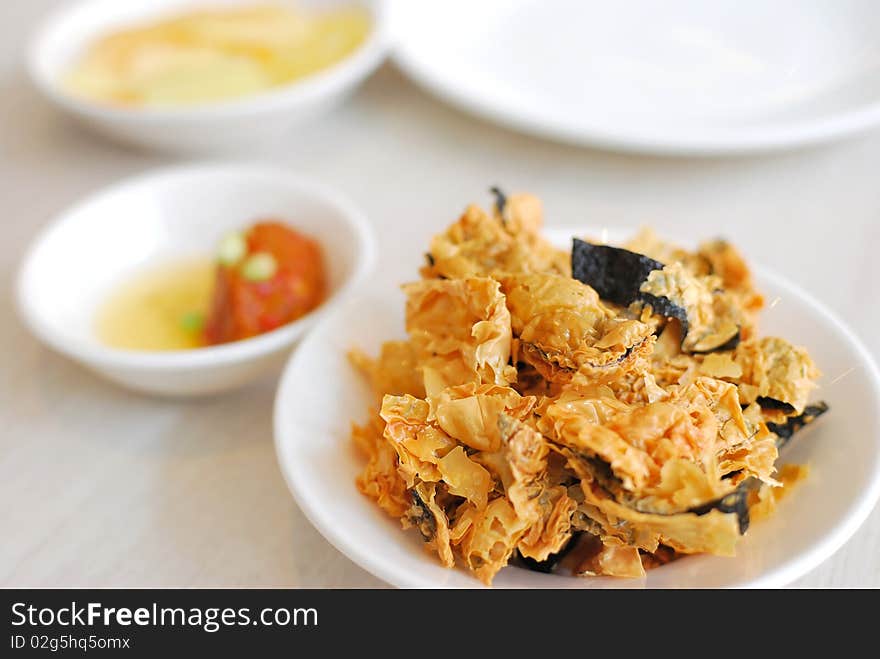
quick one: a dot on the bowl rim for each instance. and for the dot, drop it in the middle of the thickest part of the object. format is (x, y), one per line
(228, 353)
(793, 568)
(321, 84)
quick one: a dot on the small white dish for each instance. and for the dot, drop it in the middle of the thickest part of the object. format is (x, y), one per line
(242, 124)
(173, 213)
(320, 394)
(682, 78)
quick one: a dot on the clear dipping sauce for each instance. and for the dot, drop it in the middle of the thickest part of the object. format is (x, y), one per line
(161, 308)
(261, 278)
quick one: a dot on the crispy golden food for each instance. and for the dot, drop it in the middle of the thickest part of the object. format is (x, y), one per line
(460, 331)
(506, 240)
(775, 373)
(713, 258)
(712, 317)
(531, 419)
(396, 370)
(563, 330)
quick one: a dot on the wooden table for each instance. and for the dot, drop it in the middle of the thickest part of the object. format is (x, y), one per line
(101, 487)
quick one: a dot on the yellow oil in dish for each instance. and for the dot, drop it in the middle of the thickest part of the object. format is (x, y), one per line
(215, 55)
(159, 309)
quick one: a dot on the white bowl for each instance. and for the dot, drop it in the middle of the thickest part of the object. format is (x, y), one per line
(83, 255)
(246, 123)
(320, 393)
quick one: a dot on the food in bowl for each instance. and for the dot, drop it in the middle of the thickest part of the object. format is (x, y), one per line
(159, 308)
(604, 410)
(262, 278)
(267, 277)
(214, 55)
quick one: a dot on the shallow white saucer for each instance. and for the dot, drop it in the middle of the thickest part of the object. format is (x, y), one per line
(320, 393)
(683, 77)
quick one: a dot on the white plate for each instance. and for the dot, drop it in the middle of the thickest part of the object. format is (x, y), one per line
(668, 77)
(320, 393)
(81, 257)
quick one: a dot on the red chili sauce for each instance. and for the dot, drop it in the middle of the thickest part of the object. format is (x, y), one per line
(267, 276)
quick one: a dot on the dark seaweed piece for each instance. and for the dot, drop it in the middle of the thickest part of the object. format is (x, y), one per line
(420, 516)
(731, 344)
(549, 564)
(785, 431)
(615, 273)
(663, 306)
(773, 404)
(500, 199)
(429, 258)
(736, 502)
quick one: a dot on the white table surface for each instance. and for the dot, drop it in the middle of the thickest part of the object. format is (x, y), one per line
(101, 487)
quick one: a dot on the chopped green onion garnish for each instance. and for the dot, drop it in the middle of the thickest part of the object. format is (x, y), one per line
(192, 321)
(259, 266)
(232, 248)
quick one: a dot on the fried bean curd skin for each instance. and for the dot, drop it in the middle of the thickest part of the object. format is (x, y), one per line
(725, 261)
(713, 532)
(605, 423)
(470, 413)
(595, 558)
(380, 479)
(481, 244)
(776, 374)
(563, 329)
(714, 257)
(534, 517)
(711, 319)
(460, 331)
(486, 528)
(763, 501)
(536, 494)
(396, 370)
(436, 438)
(667, 456)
